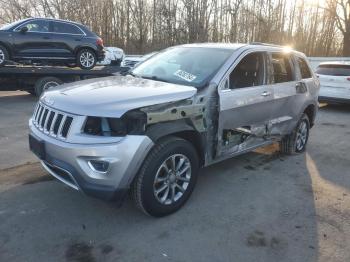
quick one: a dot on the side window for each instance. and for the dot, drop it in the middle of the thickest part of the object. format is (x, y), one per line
(304, 68)
(249, 72)
(58, 27)
(282, 71)
(36, 26)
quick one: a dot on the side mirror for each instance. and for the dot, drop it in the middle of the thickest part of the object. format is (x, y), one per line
(23, 29)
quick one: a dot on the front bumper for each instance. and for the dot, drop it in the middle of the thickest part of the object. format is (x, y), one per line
(68, 162)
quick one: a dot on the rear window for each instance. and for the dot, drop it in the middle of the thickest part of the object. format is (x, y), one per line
(304, 68)
(282, 71)
(333, 70)
(65, 28)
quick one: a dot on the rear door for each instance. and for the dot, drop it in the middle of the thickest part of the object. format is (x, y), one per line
(285, 83)
(35, 43)
(245, 105)
(66, 38)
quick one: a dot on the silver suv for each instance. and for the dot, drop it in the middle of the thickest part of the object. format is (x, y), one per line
(189, 106)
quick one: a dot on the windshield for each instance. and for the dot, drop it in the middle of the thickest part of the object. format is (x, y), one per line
(8, 26)
(192, 66)
(333, 70)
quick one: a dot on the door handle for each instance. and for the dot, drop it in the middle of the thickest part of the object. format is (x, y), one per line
(46, 37)
(265, 93)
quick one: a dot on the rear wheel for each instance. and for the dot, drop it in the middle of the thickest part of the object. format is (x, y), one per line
(86, 59)
(296, 142)
(46, 83)
(4, 55)
(166, 178)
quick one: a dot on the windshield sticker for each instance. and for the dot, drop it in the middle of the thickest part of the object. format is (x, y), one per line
(185, 75)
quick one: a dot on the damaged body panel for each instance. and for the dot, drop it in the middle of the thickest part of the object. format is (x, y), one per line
(185, 107)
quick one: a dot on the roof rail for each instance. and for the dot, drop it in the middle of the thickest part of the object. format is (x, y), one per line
(265, 44)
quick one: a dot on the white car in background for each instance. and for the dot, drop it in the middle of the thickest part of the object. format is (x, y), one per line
(113, 56)
(132, 60)
(335, 82)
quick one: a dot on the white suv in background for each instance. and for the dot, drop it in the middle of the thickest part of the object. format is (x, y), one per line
(335, 82)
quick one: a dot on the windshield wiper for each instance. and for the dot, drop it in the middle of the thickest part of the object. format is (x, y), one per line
(156, 78)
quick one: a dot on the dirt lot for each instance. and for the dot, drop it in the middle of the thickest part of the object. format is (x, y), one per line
(258, 207)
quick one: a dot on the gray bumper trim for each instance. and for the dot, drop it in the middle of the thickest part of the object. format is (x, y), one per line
(48, 169)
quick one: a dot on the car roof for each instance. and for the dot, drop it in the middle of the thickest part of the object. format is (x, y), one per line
(58, 20)
(235, 46)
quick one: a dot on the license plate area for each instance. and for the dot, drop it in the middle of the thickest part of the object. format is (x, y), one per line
(37, 147)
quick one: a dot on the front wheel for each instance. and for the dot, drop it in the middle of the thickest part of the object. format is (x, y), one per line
(86, 59)
(166, 178)
(296, 142)
(4, 56)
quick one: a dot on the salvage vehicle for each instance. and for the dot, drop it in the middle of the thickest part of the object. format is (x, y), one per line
(335, 82)
(55, 41)
(189, 106)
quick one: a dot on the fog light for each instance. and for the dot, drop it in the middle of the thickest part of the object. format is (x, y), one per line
(98, 165)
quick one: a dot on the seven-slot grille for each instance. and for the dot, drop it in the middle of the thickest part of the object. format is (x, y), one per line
(52, 122)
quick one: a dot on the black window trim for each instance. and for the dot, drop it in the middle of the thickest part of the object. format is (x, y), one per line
(49, 21)
(54, 21)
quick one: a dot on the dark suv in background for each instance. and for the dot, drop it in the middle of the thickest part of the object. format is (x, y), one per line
(50, 41)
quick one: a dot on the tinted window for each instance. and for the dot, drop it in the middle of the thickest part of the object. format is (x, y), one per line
(36, 26)
(334, 70)
(192, 66)
(304, 68)
(282, 71)
(249, 72)
(9, 26)
(59, 27)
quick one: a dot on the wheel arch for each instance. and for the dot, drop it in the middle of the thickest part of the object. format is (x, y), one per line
(78, 48)
(7, 47)
(179, 129)
(310, 111)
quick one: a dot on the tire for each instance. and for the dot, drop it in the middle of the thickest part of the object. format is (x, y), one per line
(144, 186)
(4, 55)
(86, 58)
(290, 144)
(45, 83)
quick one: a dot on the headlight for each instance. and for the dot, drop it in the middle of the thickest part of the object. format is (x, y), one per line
(131, 123)
(103, 126)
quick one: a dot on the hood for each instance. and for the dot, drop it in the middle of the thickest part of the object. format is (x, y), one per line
(113, 96)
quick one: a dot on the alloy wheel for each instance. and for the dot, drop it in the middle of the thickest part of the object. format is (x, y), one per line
(172, 179)
(2, 56)
(87, 59)
(302, 135)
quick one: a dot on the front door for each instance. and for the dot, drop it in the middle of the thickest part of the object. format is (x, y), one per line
(245, 106)
(34, 43)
